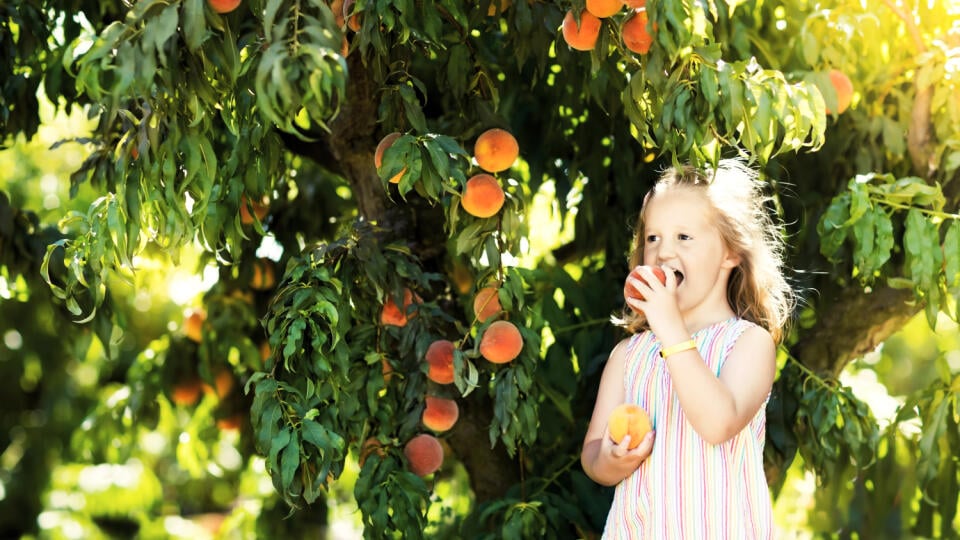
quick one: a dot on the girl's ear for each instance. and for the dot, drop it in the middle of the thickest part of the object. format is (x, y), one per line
(730, 259)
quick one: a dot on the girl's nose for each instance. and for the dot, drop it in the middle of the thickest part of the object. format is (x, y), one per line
(666, 250)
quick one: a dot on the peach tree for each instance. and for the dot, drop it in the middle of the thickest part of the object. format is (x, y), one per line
(319, 158)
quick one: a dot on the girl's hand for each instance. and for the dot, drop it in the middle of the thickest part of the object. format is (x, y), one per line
(656, 296)
(620, 456)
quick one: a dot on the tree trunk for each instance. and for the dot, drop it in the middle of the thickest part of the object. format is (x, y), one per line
(492, 472)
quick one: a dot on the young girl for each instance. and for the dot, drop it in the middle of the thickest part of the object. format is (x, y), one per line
(701, 362)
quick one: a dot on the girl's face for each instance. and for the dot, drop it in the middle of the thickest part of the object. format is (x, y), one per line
(680, 232)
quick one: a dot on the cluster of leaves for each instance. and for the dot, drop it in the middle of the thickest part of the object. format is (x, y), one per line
(880, 216)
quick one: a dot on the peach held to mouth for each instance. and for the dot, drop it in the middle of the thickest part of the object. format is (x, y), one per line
(629, 291)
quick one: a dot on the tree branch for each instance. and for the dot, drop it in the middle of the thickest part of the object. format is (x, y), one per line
(852, 323)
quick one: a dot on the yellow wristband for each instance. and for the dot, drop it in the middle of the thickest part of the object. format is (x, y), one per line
(679, 347)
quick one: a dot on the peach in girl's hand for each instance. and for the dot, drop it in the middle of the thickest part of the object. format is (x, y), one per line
(629, 291)
(629, 419)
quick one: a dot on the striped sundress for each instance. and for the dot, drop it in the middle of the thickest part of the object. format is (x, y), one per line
(688, 488)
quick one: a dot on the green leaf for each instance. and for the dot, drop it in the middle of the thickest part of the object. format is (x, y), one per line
(951, 250)
(290, 460)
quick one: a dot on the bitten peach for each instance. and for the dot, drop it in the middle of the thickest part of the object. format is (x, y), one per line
(629, 291)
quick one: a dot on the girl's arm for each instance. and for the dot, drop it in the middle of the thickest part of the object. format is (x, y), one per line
(602, 460)
(720, 407)
(717, 407)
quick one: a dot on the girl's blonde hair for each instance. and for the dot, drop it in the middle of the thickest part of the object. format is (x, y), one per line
(757, 289)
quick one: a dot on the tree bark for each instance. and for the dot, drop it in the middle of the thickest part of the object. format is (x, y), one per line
(353, 140)
(492, 471)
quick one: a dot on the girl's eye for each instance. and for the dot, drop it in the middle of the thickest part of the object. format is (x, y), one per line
(684, 237)
(651, 238)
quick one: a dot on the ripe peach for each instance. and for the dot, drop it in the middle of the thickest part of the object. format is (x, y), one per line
(582, 37)
(482, 197)
(395, 316)
(260, 209)
(193, 319)
(501, 342)
(629, 419)
(386, 369)
(844, 89)
(439, 357)
(187, 391)
(440, 414)
(486, 304)
(222, 383)
(424, 454)
(496, 150)
(265, 351)
(635, 34)
(498, 6)
(353, 21)
(224, 6)
(264, 275)
(386, 142)
(629, 291)
(336, 6)
(230, 423)
(604, 8)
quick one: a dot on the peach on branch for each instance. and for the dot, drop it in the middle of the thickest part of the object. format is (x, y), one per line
(496, 150)
(439, 358)
(193, 319)
(187, 391)
(604, 8)
(501, 342)
(440, 414)
(224, 6)
(385, 143)
(482, 197)
(394, 315)
(486, 304)
(636, 37)
(844, 89)
(424, 453)
(582, 36)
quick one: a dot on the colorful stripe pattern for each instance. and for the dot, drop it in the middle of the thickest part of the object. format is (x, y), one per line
(689, 488)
